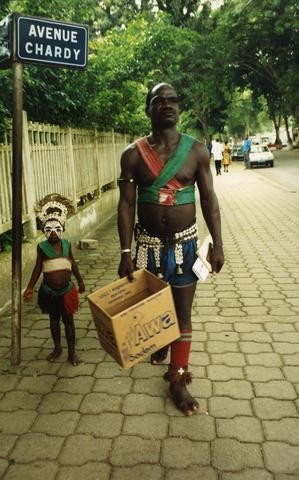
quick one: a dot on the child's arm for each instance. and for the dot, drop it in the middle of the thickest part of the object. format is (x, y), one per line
(28, 294)
(76, 272)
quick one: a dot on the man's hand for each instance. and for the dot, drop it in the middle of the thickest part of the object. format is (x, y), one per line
(81, 286)
(28, 294)
(126, 267)
(217, 258)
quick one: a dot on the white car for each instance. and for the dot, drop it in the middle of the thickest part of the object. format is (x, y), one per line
(260, 155)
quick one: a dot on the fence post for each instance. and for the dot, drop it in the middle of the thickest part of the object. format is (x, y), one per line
(114, 159)
(72, 167)
(98, 161)
(29, 182)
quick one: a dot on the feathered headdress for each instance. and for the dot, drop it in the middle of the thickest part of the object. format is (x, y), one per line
(54, 206)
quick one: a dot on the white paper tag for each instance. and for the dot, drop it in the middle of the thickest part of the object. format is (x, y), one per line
(200, 270)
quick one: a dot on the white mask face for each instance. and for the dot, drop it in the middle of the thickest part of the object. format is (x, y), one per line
(53, 226)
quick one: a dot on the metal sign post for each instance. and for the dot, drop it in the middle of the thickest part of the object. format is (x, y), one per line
(17, 162)
(38, 41)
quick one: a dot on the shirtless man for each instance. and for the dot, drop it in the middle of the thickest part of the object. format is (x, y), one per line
(166, 234)
(57, 295)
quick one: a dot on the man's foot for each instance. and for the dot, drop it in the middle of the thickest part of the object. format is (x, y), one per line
(55, 354)
(183, 400)
(74, 359)
(159, 356)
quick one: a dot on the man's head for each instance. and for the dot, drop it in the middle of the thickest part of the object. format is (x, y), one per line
(162, 105)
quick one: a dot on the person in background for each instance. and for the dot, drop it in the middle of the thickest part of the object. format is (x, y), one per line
(246, 147)
(57, 294)
(217, 152)
(227, 159)
(160, 171)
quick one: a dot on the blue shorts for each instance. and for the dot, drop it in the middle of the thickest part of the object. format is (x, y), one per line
(169, 266)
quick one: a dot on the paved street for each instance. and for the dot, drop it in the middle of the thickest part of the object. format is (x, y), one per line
(99, 422)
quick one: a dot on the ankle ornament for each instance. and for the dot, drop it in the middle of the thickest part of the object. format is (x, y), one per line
(178, 375)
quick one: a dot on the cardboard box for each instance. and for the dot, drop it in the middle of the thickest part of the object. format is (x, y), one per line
(134, 319)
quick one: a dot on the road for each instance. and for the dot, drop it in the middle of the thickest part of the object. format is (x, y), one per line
(285, 171)
(99, 421)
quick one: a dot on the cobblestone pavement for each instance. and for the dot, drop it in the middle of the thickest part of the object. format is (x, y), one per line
(98, 421)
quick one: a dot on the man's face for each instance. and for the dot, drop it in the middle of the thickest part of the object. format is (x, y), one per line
(53, 230)
(163, 108)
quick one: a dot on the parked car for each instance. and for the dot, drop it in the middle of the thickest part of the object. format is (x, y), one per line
(237, 152)
(260, 155)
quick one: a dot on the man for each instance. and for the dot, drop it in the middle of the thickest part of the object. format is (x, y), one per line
(246, 147)
(217, 152)
(166, 236)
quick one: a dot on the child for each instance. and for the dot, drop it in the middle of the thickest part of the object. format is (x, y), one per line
(57, 295)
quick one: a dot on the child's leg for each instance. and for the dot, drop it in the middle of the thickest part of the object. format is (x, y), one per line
(55, 332)
(70, 335)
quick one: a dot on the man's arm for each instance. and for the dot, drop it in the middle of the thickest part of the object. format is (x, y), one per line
(210, 208)
(126, 211)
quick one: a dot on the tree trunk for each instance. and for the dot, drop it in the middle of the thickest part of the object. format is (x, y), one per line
(289, 138)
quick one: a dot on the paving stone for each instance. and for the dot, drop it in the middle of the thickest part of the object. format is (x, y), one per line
(251, 474)
(263, 374)
(291, 373)
(69, 371)
(276, 389)
(284, 430)
(191, 473)
(195, 453)
(119, 386)
(265, 359)
(154, 386)
(140, 404)
(221, 347)
(228, 408)
(17, 422)
(62, 423)
(220, 372)
(36, 470)
(36, 446)
(244, 429)
(56, 401)
(281, 457)
(271, 409)
(291, 359)
(200, 427)
(239, 389)
(106, 425)
(90, 471)
(6, 443)
(285, 348)
(142, 472)
(150, 425)
(248, 327)
(77, 385)
(19, 400)
(94, 403)
(132, 450)
(199, 358)
(229, 454)
(229, 359)
(8, 382)
(79, 449)
(41, 384)
(275, 327)
(252, 347)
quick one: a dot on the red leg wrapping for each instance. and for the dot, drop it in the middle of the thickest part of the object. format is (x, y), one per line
(71, 301)
(180, 349)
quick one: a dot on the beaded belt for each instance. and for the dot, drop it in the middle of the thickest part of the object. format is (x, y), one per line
(146, 241)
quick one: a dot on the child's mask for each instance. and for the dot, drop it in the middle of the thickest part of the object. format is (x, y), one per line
(53, 226)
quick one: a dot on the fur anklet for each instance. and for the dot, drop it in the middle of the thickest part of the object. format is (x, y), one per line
(178, 376)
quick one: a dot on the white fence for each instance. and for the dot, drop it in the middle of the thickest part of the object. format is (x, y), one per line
(75, 163)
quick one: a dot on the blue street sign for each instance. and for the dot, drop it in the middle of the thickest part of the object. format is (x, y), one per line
(51, 42)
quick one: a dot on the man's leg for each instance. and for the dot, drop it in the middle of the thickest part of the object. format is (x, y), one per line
(70, 336)
(55, 333)
(178, 374)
